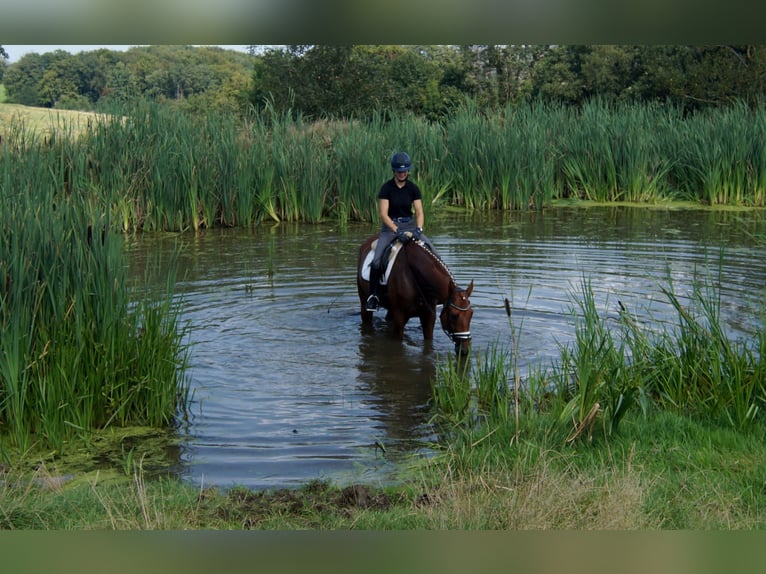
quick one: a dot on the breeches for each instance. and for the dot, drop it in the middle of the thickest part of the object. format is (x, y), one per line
(387, 236)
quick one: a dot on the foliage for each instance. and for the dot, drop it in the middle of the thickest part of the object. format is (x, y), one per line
(357, 81)
(194, 78)
(348, 81)
(692, 77)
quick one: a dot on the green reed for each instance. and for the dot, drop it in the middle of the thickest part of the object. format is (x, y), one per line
(160, 169)
(642, 165)
(590, 166)
(722, 156)
(77, 353)
(702, 369)
(614, 366)
(451, 393)
(531, 145)
(595, 370)
(467, 159)
(360, 156)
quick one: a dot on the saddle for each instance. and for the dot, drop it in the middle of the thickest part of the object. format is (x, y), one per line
(389, 256)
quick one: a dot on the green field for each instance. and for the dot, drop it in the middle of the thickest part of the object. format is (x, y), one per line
(42, 121)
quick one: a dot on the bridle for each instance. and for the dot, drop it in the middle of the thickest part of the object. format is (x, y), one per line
(455, 336)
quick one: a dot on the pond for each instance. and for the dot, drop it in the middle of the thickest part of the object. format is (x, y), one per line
(287, 386)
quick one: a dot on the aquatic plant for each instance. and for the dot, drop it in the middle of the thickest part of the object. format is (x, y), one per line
(160, 169)
(612, 367)
(79, 348)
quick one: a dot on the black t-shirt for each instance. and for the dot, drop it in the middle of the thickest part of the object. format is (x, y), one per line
(399, 200)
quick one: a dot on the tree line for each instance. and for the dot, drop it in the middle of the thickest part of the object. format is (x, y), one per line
(355, 80)
(193, 77)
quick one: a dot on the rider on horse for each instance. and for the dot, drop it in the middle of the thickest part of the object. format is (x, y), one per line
(396, 199)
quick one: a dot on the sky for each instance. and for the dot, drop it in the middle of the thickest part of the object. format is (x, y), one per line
(17, 51)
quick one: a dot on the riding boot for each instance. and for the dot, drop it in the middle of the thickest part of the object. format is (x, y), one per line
(372, 301)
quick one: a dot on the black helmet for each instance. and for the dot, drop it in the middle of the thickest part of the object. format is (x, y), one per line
(400, 161)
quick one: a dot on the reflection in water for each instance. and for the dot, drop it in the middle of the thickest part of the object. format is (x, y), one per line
(398, 376)
(287, 385)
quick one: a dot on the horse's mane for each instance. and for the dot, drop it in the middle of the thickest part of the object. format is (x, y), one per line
(436, 258)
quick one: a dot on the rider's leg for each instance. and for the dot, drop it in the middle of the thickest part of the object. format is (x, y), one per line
(385, 237)
(372, 301)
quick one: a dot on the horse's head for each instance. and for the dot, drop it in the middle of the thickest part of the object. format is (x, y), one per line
(456, 318)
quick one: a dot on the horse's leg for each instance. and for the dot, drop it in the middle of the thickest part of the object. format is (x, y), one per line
(427, 322)
(398, 321)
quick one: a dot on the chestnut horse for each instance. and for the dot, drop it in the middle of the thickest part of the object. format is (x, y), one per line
(417, 282)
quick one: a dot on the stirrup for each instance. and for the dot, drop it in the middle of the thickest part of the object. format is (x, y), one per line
(372, 303)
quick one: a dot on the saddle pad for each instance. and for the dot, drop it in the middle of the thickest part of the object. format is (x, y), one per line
(395, 248)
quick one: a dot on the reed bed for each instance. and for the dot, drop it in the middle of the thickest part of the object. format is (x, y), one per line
(79, 349)
(690, 368)
(159, 169)
(721, 156)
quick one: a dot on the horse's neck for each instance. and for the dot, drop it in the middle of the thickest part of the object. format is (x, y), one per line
(436, 280)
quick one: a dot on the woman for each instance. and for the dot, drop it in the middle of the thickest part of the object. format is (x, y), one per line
(396, 199)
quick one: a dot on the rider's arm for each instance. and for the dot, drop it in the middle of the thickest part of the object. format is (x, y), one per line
(419, 217)
(383, 211)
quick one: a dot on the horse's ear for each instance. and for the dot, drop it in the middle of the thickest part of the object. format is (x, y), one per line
(469, 289)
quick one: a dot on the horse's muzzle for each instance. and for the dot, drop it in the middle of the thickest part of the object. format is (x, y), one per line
(462, 342)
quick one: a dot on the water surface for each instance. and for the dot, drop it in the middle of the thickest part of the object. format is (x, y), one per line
(289, 388)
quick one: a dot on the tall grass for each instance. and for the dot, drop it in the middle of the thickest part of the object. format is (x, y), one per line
(360, 156)
(614, 367)
(722, 156)
(77, 351)
(161, 169)
(702, 369)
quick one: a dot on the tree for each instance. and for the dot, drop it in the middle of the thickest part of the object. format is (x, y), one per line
(608, 72)
(22, 78)
(558, 77)
(346, 81)
(64, 79)
(3, 62)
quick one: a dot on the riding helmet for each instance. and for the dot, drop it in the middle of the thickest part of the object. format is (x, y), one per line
(400, 161)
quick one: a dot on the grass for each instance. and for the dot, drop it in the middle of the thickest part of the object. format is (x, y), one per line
(693, 367)
(43, 121)
(664, 471)
(83, 346)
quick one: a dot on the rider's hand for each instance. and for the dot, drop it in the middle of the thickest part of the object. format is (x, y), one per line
(418, 232)
(402, 236)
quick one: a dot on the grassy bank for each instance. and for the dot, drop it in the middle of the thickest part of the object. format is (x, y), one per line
(662, 472)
